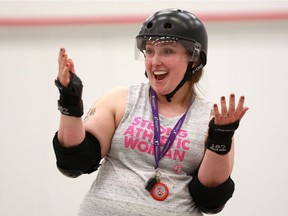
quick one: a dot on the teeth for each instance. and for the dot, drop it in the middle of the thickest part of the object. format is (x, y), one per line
(160, 72)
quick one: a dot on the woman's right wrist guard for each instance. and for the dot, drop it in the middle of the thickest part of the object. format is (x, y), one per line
(70, 101)
(219, 138)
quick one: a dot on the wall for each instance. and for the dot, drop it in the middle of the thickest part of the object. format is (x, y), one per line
(247, 56)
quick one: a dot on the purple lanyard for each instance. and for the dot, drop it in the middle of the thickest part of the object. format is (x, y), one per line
(158, 154)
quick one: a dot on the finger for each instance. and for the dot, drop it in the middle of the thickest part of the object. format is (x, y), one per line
(223, 106)
(216, 111)
(64, 60)
(240, 107)
(66, 70)
(244, 110)
(231, 108)
(65, 78)
(60, 59)
(71, 65)
(61, 52)
(62, 64)
(64, 75)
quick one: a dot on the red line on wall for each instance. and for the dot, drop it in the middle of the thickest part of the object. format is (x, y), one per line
(81, 20)
(122, 19)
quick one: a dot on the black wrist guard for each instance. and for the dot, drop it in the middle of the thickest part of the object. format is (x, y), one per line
(219, 138)
(70, 102)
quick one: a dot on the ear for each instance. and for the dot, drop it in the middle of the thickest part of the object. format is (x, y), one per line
(146, 74)
(196, 67)
(194, 63)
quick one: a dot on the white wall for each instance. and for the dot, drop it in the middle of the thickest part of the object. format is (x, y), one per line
(245, 57)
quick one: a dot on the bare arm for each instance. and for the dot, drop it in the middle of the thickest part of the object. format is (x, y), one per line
(215, 168)
(71, 130)
(102, 119)
(105, 115)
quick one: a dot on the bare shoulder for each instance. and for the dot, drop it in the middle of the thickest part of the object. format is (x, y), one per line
(105, 115)
(114, 102)
(117, 98)
(121, 93)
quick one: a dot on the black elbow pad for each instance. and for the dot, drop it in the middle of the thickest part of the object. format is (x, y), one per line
(211, 200)
(80, 159)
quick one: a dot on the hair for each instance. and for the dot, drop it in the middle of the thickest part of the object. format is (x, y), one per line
(195, 79)
(193, 82)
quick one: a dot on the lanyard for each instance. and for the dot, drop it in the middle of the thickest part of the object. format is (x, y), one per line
(158, 154)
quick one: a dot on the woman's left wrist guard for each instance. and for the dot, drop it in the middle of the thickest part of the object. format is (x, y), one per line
(70, 101)
(219, 138)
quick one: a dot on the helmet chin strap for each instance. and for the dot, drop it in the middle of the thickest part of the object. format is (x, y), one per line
(190, 71)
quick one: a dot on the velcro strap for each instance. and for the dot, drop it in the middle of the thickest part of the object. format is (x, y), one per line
(219, 138)
(224, 128)
(76, 111)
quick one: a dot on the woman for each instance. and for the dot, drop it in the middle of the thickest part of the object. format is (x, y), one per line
(157, 155)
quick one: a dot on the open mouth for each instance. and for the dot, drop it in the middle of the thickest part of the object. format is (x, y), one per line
(160, 75)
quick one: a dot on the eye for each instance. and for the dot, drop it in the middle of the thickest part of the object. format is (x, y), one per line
(167, 51)
(149, 51)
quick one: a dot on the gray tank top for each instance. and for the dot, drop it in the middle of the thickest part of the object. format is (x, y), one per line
(119, 188)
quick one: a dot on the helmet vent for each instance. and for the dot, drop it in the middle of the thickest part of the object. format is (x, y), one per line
(167, 26)
(149, 25)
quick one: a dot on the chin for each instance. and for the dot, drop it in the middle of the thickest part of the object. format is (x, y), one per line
(161, 90)
(162, 87)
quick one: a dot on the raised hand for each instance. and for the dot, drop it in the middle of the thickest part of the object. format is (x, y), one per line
(70, 87)
(65, 65)
(230, 112)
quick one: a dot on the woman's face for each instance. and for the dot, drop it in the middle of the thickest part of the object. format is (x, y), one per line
(166, 64)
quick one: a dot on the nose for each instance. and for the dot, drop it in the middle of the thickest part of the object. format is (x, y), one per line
(156, 60)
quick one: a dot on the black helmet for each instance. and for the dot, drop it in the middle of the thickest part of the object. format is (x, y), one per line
(175, 24)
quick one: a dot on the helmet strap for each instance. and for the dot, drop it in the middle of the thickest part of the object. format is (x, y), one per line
(190, 71)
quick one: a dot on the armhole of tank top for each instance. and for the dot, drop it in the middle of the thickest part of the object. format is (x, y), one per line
(128, 106)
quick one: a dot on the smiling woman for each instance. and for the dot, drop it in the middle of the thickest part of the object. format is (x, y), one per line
(151, 135)
(166, 63)
(167, 31)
